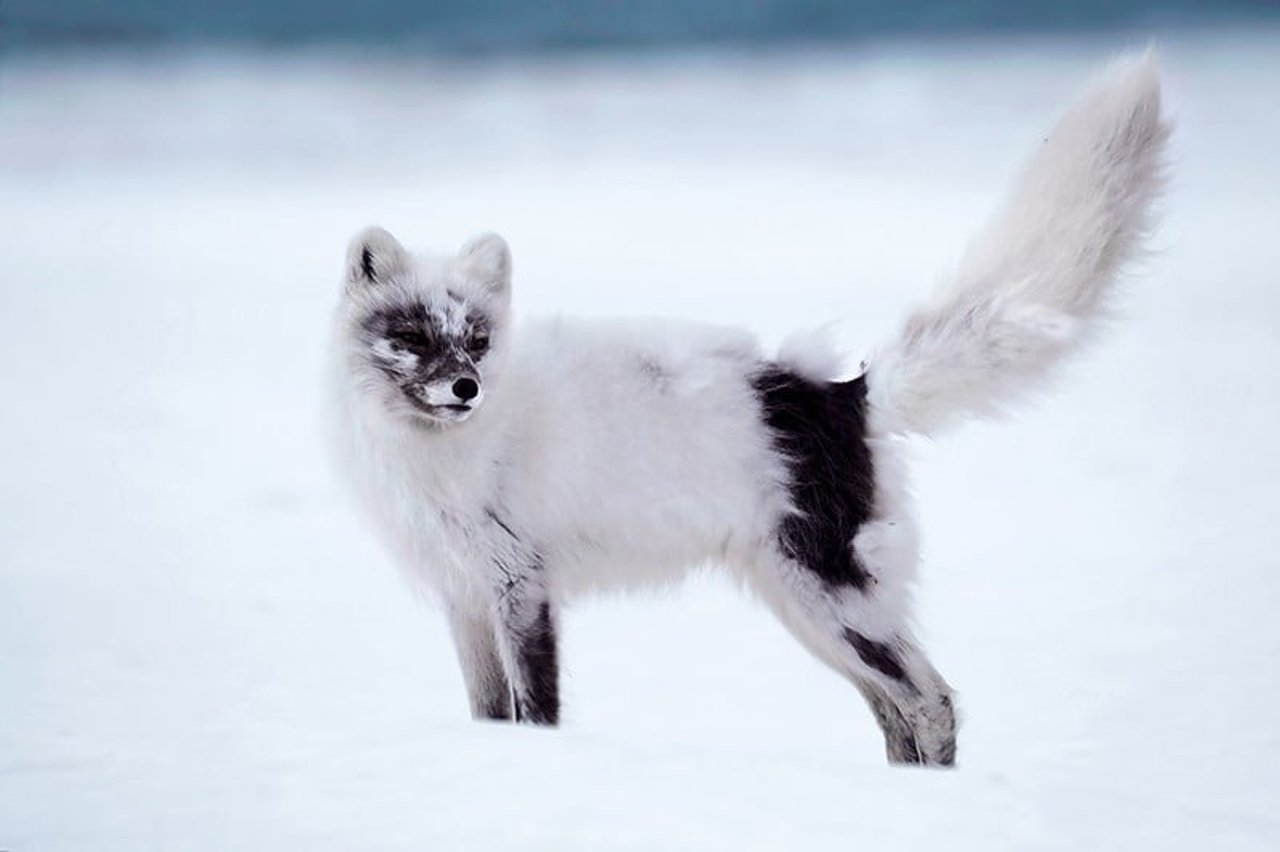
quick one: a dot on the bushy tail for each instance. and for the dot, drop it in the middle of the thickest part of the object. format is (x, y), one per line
(1035, 282)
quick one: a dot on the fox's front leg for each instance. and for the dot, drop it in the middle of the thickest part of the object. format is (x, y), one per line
(476, 643)
(526, 635)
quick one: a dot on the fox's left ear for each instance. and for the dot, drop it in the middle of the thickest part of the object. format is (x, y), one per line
(487, 258)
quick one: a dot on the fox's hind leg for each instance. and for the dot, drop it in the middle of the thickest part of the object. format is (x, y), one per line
(925, 715)
(837, 566)
(866, 640)
(899, 739)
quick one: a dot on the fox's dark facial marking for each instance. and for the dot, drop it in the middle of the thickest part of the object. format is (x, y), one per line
(819, 428)
(407, 329)
(431, 352)
(401, 319)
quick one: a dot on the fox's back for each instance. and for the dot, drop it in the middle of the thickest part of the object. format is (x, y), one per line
(641, 440)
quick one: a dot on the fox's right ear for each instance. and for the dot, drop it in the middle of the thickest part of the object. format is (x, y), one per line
(374, 257)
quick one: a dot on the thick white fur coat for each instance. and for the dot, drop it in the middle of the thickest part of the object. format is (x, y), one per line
(602, 455)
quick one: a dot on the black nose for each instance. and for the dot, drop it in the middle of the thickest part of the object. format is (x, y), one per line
(465, 389)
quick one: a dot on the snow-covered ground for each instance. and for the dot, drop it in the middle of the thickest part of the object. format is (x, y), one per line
(202, 648)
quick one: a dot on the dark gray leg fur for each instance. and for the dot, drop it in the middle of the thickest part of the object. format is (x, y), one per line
(527, 643)
(899, 740)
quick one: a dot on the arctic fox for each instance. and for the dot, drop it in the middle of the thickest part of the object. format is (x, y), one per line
(512, 467)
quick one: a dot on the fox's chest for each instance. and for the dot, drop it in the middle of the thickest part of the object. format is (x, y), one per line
(442, 546)
(433, 521)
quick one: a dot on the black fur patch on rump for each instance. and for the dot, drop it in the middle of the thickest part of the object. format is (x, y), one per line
(819, 427)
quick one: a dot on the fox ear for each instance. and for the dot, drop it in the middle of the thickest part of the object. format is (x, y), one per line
(487, 257)
(373, 257)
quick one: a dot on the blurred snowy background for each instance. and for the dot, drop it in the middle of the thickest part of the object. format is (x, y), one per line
(201, 648)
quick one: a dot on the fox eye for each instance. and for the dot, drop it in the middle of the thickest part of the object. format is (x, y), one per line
(412, 339)
(478, 344)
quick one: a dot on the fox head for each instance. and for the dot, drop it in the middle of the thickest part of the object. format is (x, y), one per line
(424, 334)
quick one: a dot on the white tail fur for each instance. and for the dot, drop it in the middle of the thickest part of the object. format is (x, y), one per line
(1034, 283)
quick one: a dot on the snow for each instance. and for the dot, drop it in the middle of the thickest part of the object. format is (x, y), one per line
(202, 648)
